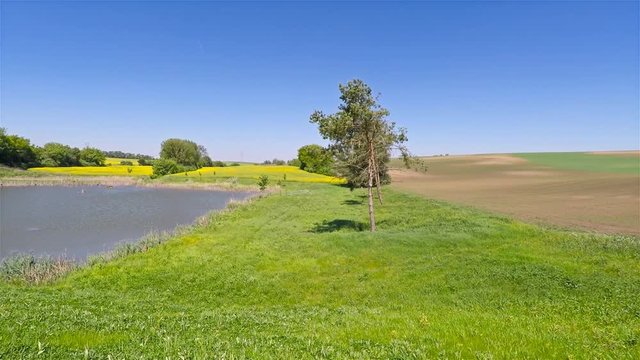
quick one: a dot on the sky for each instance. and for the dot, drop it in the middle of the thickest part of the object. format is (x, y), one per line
(242, 78)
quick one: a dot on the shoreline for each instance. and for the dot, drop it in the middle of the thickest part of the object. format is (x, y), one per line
(111, 181)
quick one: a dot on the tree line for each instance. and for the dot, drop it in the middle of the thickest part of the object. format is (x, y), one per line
(17, 151)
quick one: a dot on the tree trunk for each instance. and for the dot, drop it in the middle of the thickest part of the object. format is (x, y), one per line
(372, 218)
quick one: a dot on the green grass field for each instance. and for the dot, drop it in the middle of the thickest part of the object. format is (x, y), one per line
(292, 276)
(585, 162)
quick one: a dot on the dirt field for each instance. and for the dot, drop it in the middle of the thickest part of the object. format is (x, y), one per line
(599, 201)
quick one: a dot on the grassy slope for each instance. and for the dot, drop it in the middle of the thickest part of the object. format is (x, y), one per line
(289, 276)
(585, 162)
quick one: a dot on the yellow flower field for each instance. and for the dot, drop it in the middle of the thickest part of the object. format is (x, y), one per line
(116, 161)
(206, 174)
(275, 173)
(113, 170)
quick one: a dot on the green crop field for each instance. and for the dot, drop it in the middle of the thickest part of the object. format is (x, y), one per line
(585, 162)
(293, 276)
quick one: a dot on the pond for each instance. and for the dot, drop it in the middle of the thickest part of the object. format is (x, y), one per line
(75, 222)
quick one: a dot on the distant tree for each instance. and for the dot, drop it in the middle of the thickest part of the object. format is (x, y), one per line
(316, 159)
(205, 161)
(278, 162)
(56, 154)
(294, 162)
(163, 167)
(183, 152)
(126, 155)
(17, 151)
(218, 164)
(266, 162)
(92, 157)
(362, 139)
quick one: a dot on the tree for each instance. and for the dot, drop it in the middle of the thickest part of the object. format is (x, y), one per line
(362, 139)
(294, 162)
(92, 157)
(183, 152)
(16, 151)
(316, 159)
(55, 154)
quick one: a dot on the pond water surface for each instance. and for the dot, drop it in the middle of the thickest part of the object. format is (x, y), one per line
(75, 222)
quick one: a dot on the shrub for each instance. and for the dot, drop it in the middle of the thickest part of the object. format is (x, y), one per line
(92, 156)
(219, 164)
(263, 181)
(143, 162)
(126, 162)
(162, 167)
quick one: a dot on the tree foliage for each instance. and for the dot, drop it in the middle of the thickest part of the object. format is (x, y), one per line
(163, 167)
(126, 155)
(56, 154)
(17, 151)
(362, 139)
(92, 157)
(316, 159)
(183, 152)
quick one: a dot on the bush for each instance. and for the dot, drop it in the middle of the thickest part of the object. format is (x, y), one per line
(263, 181)
(219, 164)
(143, 162)
(162, 167)
(126, 162)
(92, 156)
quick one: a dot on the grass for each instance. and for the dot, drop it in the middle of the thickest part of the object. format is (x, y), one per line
(585, 162)
(292, 276)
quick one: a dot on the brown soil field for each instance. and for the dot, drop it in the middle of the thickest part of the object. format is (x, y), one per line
(625, 153)
(602, 202)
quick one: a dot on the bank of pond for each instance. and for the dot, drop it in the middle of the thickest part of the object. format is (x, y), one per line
(74, 222)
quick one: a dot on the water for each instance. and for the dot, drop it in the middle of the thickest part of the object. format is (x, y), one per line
(75, 222)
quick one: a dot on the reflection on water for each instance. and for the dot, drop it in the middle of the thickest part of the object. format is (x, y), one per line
(78, 221)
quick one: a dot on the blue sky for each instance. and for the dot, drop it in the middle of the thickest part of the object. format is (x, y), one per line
(243, 78)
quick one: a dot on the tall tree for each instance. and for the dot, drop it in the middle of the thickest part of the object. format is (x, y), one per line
(362, 139)
(183, 152)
